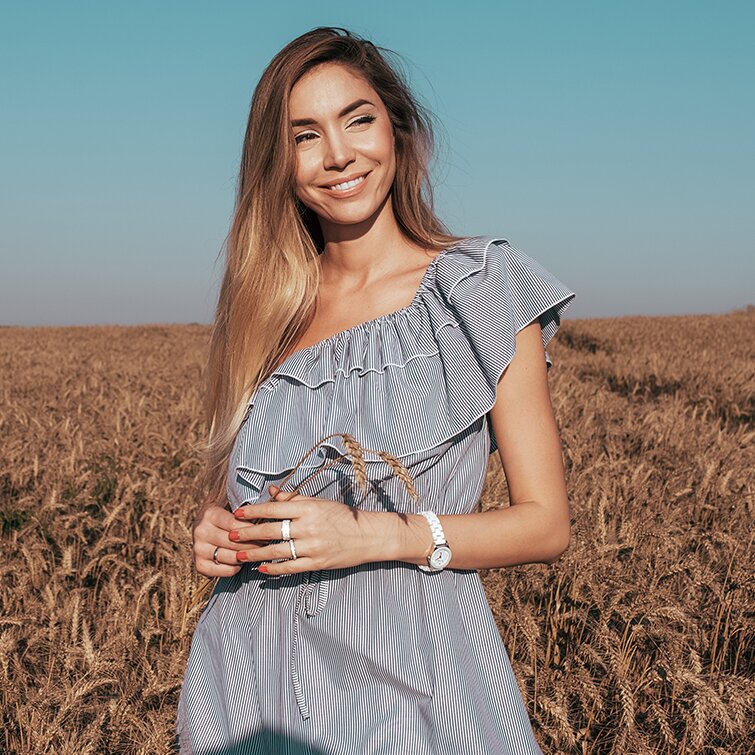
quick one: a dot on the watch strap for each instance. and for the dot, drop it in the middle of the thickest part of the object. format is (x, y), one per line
(439, 537)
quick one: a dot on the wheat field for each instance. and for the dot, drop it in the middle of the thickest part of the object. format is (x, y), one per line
(638, 640)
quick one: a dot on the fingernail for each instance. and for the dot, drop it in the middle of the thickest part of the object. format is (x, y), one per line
(239, 513)
(233, 535)
(241, 556)
(262, 568)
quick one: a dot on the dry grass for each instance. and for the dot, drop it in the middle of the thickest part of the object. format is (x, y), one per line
(639, 640)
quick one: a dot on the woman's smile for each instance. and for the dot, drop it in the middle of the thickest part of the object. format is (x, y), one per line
(347, 188)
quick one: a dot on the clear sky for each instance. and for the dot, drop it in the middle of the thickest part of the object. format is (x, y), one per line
(611, 141)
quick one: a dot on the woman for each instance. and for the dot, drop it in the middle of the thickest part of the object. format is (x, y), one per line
(347, 622)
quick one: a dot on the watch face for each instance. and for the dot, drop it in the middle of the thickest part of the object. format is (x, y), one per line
(440, 557)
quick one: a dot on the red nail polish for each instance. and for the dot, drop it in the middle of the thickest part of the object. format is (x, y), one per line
(239, 513)
(262, 568)
(241, 556)
(233, 535)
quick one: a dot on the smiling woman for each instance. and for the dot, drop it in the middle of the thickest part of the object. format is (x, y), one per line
(348, 620)
(344, 152)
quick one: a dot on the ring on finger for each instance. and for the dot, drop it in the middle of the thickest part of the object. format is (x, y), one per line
(215, 554)
(286, 529)
(293, 548)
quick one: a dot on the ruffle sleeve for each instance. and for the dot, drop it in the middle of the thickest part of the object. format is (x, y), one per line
(405, 382)
(493, 298)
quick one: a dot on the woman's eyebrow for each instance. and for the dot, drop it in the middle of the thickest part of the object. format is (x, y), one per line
(311, 121)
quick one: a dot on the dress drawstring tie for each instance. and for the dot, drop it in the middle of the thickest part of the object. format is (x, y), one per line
(311, 596)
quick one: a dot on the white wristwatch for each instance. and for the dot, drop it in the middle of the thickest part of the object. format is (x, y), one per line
(441, 554)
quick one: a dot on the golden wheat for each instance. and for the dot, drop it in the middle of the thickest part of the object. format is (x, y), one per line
(639, 639)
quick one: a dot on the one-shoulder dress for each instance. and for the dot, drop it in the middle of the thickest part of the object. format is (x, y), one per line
(381, 658)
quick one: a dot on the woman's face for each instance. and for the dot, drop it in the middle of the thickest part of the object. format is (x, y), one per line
(343, 136)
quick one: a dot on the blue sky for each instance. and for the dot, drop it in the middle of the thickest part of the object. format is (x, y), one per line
(611, 141)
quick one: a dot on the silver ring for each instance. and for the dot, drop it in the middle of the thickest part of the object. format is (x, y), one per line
(286, 529)
(293, 549)
(215, 554)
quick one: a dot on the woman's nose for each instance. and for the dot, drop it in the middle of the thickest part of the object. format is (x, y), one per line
(338, 152)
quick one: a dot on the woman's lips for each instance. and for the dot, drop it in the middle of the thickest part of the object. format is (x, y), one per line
(353, 191)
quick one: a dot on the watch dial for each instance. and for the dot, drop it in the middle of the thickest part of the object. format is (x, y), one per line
(440, 558)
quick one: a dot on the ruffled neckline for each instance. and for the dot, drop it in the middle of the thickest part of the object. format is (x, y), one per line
(424, 284)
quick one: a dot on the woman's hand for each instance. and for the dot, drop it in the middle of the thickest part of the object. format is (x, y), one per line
(327, 534)
(210, 530)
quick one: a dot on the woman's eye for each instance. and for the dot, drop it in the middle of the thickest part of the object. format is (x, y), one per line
(299, 138)
(364, 119)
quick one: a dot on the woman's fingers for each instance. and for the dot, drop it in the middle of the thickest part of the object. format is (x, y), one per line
(222, 556)
(220, 517)
(281, 495)
(211, 530)
(280, 505)
(224, 565)
(266, 531)
(214, 527)
(267, 552)
(274, 509)
(289, 566)
(207, 537)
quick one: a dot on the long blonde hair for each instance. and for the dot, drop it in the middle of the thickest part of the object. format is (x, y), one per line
(272, 272)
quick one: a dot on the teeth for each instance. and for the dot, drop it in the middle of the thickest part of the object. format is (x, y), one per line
(347, 184)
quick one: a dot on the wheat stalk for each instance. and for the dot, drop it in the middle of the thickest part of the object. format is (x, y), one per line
(401, 472)
(198, 595)
(357, 460)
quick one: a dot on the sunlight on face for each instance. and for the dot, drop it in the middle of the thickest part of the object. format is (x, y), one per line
(345, 148)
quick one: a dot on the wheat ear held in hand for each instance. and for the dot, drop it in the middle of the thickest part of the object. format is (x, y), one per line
(356, 452)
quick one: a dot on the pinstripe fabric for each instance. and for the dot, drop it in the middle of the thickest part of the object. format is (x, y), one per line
(382, 658)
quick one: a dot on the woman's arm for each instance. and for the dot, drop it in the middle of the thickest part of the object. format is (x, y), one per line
(535, 528)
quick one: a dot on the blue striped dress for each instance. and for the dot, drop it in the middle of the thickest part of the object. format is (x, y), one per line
(381, 658)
